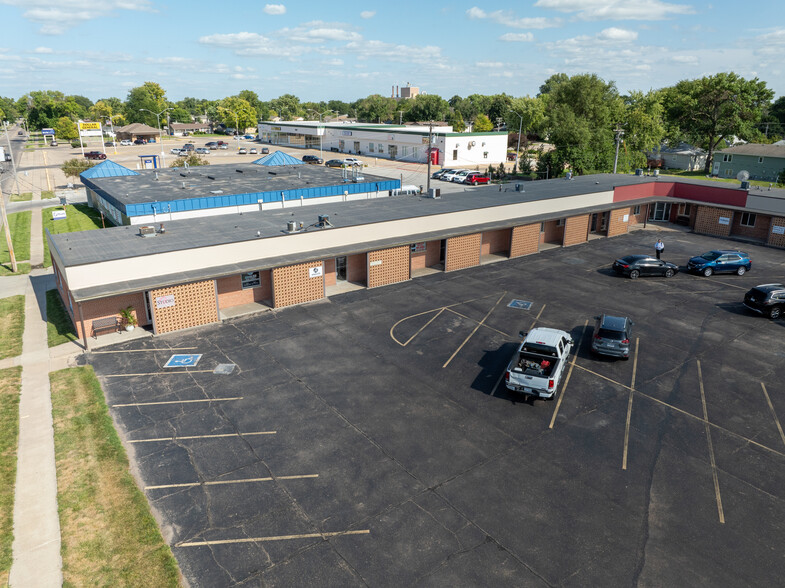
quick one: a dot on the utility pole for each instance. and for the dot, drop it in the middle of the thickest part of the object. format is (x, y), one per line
(11, 153)
(619, 132)
(428, 155)
(4, 216)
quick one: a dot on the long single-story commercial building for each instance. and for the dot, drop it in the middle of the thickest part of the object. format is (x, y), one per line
(193, 271)
(401, 142)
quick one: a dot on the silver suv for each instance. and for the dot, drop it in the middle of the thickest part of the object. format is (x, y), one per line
(612, 336)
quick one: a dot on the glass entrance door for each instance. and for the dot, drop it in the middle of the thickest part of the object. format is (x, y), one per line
(661, 211)
(340, 268)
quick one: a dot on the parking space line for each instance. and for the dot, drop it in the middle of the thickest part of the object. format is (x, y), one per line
(183, 438)
(773, 412)
(476, 327)
(569, 373)
(468, 318)
(711, 446)
(144, 350)
(629, 406)
(409, 340)
(278, 538)
(225, 482)
(536, 318)
(177, 402)
(168, 372)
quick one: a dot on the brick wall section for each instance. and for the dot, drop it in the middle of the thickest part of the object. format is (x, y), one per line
(616, 224)
(388, 266)
(330, 277)
(496, 242)
(707, 221)
(759, 231)
(292, 284)
(357, 268)
(553, 233)
(231, 293)
(525, 240)
(462, 252)
(417, 260)
(108, 307)
(576, 228)
(774, 239)
(194, 304)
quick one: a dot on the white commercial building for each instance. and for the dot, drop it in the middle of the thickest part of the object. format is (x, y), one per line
(400, 142)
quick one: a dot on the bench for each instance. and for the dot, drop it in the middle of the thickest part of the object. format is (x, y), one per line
(110, 323)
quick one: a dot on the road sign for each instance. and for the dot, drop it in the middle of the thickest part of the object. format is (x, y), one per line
(183, 360)
(90, 126)
(522, 304)
(48, 132)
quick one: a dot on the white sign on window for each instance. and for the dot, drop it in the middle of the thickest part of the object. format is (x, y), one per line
(724, 220)
(777, 230)
(314, 272)
(164, 301)
(625, 218)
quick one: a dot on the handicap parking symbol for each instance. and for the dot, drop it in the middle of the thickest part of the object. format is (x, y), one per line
(522, 304)
(183, 360)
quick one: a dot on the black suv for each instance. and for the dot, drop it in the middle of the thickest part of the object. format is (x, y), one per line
(612, 336)
(313, 159)
(766, 299)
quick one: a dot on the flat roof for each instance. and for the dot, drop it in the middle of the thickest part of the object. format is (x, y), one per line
(210, 181)
(124, 242)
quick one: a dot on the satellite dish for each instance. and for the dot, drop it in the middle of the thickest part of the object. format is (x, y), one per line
(743, 175)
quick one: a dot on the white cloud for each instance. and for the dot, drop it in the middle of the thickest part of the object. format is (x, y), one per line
(517, 37)
(367, 14)
(617, 9)
(43, 50)
(684, 59)
(253, 44)
(57, 16)
(489, 64)
(275, 9)
(621, 35)
(507, 18)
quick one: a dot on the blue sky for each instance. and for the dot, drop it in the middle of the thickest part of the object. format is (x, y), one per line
(347, 50)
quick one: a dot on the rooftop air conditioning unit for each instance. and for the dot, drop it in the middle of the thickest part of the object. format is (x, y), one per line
(147, 231)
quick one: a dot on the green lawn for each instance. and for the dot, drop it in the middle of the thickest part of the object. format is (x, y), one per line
(59, 328)
(46, 194)
(79, 217)
(109, 536)
(23, 197)
(10, 385)
(700, 175)
(19, 224)
(21, 268)
(12, 325)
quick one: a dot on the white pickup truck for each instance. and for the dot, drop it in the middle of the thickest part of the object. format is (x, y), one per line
(539, 363)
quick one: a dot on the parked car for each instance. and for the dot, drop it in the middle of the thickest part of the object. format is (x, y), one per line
(475, 178)
(451, 174)
(95, 155)
(352, 161)
(188, 147)
(110, 144)
(438, 174)
(265, 150)
(720, 261)
(253, 151)
(202, 151)
(334, 163)
(223, 146)
(53, 143)
(177, 151)
(458, 177)
(247, 136)
(644, 265)
(313, 159)
(242, 151)
(211, 144)
(140, 142)
(611, 336)
(20, 133)
(126, 142)
(539, 362)
(766, 299)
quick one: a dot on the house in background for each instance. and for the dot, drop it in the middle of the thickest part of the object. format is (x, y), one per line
(683, 156)
(762, 162)
(178, 129)
(137, 131)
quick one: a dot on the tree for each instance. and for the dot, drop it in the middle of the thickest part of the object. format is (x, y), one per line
(643, 128)
(73, 167)
(144, 102)
(234, 111)
(482, 124)
(251, 98)
(427, 107)
(498, 106)
(180, 115)
(287, 107)
(192, 159)
(101, 111)
(339, 106)
(456, 121)
(376, 108)
(708, 110)
(65, 129)
(9, 109)
(526, 114)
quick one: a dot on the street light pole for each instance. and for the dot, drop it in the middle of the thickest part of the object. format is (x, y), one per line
(160, 134)
(520, 129)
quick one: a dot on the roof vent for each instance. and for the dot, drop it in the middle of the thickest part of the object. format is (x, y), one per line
(147, 231)
(209, 177)
(239, 171)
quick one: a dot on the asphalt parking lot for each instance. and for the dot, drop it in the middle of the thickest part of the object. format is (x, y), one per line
(368, 439)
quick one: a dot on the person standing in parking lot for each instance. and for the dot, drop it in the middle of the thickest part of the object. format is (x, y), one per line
(659, 247)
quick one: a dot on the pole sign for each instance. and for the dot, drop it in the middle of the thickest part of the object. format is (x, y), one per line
(58, 214)
(49, 132)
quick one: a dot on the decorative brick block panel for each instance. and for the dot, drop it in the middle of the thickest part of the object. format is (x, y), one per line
(293, 284)
(462, 252)
(388, 266)
(357, 268)
(110, 307)
(496, 241)
(576, 229)
(231, 292)
(707, 221)
(616, 223)
(183, 306)
(525, 240)
(777, 239)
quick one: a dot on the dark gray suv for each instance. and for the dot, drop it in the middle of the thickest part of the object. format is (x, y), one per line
(612, 336)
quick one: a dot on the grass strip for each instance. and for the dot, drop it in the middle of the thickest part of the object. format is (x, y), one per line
(46, 194)
(23, 197)
(12, 325)
(19, 225)
(59, 328)
(109, 536)
(10, 386)
(7, 270)
(79, 217)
